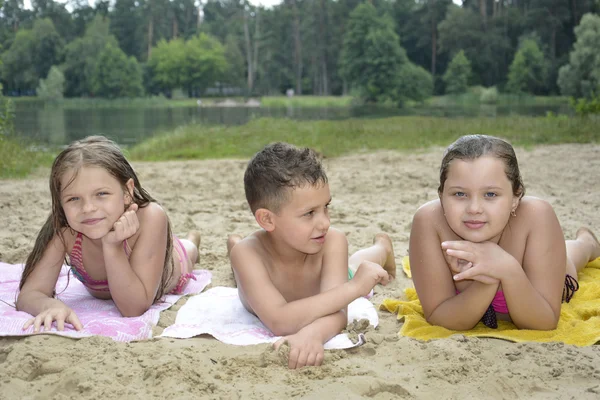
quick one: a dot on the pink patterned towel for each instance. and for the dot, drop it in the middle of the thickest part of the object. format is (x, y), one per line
(99, 317)
(220, 313)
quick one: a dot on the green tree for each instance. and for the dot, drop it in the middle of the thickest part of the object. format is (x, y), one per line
(235, 62)
(205, 63)
(18, 67)
(82, 55)
(485, 45)
(372, 57)
(116, 75)
(53, 87)
(581, 77)
(528, 71)
(415, 83)
(167, 65)
(48, 46)
(126, 25)
(458, 74)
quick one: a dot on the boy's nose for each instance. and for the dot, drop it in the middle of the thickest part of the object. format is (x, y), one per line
(324, 222)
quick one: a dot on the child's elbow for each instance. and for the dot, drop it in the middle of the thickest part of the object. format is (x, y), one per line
(452, 324)
(281, 327)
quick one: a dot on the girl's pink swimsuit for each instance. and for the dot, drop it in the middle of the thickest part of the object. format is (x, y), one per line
(499, 302)
(80, 273)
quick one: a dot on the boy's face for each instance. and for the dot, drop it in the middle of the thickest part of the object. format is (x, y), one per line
(303, 221)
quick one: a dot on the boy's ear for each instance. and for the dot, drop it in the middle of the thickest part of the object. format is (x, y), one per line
(265, 219)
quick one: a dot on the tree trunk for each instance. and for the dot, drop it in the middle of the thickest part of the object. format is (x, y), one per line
(256, 40)
(483, 11)
(248, 53)
(297, 49)
(150, 34)
(175, 28)
(433, 37)
(323, 52)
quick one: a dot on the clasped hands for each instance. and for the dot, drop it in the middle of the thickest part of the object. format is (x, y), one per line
(485, 262)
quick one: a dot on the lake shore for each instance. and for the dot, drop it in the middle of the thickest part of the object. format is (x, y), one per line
(372, 192)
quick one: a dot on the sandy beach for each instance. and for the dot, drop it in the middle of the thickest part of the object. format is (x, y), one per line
(372, 192)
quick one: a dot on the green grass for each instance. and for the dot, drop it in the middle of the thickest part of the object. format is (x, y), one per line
(331, 138)
(474, 97)
(17, 160)
(162, 102)
(334, 138)
(306, 101)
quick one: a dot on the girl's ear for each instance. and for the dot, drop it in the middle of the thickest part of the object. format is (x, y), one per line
(129, 186)
(515, 203)
(265, 219)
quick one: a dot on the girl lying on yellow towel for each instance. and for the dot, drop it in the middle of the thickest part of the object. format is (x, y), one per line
(484, 251)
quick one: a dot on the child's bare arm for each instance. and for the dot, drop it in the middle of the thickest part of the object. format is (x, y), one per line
(35, 297)
(134, 282)
(433, 279)
(533, 293)
(281, 317)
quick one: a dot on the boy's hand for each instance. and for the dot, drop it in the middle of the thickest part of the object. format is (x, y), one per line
(60, 314)
(124, 228)
(305, 350)
(368, 275)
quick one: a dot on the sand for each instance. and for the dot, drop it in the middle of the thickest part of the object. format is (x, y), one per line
(372, 192)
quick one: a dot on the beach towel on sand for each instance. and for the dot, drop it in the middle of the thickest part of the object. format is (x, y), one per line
(220, 313)
(99, 317)
(579, 321)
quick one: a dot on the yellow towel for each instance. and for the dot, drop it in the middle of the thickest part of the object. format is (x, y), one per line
(579, 322)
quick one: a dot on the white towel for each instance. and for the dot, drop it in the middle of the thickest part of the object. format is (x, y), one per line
(220, 313)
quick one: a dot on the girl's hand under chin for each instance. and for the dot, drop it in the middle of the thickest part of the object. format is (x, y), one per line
(486, 262)
(124, 228)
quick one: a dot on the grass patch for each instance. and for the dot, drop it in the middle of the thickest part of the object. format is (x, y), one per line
(17, 160)
(307, 101)
(478, 96)
(334, 138)
(331, 138)
(163, 102)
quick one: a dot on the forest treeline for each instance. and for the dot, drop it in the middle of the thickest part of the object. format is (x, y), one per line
(379, 50)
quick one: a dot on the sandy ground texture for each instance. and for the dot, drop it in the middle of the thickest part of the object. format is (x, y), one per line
(372, 192)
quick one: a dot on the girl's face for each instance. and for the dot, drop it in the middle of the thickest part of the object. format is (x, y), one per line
(478, 198)
(93, 200)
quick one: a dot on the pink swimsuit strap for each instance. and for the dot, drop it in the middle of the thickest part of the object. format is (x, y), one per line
(81, 274)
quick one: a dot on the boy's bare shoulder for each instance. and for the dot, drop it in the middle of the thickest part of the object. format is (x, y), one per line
(250, 248)
(336, 234)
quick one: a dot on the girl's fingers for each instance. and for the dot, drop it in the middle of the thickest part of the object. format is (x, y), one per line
(28, 323)
(74, 320)
(464, 255)
(48, 322)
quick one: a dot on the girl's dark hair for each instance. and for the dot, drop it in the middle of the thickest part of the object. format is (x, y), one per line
(96, 151)
(471, 147)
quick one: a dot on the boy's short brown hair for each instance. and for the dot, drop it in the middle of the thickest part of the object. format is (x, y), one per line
(276, 169)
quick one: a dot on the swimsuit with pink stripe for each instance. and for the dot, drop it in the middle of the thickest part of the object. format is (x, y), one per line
(80, 273)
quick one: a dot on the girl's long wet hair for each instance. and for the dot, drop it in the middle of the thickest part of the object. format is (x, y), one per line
(471, 147)
(93, 151)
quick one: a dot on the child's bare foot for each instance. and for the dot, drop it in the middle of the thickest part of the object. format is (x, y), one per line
(390, 262)
(232, 240)
(588, 236)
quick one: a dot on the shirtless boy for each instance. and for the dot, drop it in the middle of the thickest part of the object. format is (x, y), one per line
(293, 272)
